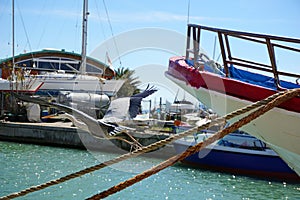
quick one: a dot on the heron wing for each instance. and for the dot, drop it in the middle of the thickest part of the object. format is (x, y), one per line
(135, 100)
(147, 92)
(118, 109)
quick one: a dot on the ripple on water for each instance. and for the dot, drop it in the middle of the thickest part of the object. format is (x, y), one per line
(24, 165)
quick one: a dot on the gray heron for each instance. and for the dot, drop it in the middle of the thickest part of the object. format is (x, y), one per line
(119, 110)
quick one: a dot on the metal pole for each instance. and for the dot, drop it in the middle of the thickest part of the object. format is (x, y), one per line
(84, 37)
(13, 40)
(2, 103)
(273, 62)
(187, 53)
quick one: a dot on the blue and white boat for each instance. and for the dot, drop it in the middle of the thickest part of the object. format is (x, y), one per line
(239, 154)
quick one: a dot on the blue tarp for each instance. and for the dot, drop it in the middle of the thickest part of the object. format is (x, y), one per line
(250, 77)
(258, 79)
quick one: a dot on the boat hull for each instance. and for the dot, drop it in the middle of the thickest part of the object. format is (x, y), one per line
(53, 83)
(279, 127)
(26, 86)
(239, 163)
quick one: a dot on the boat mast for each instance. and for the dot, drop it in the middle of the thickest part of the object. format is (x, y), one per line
(84, 37)
(13, 40)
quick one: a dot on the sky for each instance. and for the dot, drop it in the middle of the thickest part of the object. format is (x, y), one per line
(41, 24)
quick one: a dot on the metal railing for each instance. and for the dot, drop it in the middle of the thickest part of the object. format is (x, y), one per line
(194, 33)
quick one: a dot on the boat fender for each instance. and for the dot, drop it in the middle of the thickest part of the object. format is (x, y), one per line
(177, 122)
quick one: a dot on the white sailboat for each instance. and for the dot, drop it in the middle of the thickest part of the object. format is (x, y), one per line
(80, 81)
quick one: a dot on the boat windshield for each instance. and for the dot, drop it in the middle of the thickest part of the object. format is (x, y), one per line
(242, 141)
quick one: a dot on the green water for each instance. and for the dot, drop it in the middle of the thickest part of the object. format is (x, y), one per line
(24, 165)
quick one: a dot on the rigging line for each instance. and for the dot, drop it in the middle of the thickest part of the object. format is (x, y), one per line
(102, 29)
(45, 22)
(112, 33)
(77, 27)
(26, 34)
(100, 21)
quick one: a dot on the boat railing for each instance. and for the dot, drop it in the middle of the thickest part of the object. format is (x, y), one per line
(193, 47)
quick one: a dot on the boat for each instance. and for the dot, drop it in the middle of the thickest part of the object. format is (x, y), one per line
(76, 78)
(238, 154)
(59, 70)
(25, 86)
(239, 82)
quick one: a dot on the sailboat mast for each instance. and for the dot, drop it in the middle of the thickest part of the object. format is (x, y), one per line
(13, 40)
(84, 37)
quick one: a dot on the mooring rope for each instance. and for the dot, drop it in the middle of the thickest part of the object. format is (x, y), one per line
(194, 149)
(153, 146)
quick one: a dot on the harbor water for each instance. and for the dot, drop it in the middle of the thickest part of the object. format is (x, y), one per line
(25, 165)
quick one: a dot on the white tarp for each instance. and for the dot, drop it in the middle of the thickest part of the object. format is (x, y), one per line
(33, 112)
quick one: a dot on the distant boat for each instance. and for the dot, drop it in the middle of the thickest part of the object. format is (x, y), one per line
(59, 70)
(55, 82)
(239, 154)
(182, 106)
(227, 88)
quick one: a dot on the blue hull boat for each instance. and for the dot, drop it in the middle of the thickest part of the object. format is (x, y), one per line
(239, 154)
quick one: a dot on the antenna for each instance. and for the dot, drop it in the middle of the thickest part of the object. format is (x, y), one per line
(214, 48)
(188, 13)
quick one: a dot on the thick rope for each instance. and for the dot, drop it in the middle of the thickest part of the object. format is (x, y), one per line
(194, 149)
(144, 149)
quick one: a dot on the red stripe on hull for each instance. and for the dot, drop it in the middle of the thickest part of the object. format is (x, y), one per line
(179, 69)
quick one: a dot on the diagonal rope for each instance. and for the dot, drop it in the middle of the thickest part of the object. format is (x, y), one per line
(149, 147)
(194, 149)
(112, 33)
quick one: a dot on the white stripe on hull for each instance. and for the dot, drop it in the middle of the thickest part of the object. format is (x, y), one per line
(69, 82)
(30, 85)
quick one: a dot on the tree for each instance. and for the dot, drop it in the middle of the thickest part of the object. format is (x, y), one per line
(131, 83)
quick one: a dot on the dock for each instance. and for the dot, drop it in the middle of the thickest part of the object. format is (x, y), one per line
(63, 134)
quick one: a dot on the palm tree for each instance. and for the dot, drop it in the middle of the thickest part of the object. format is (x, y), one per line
(131, 83)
